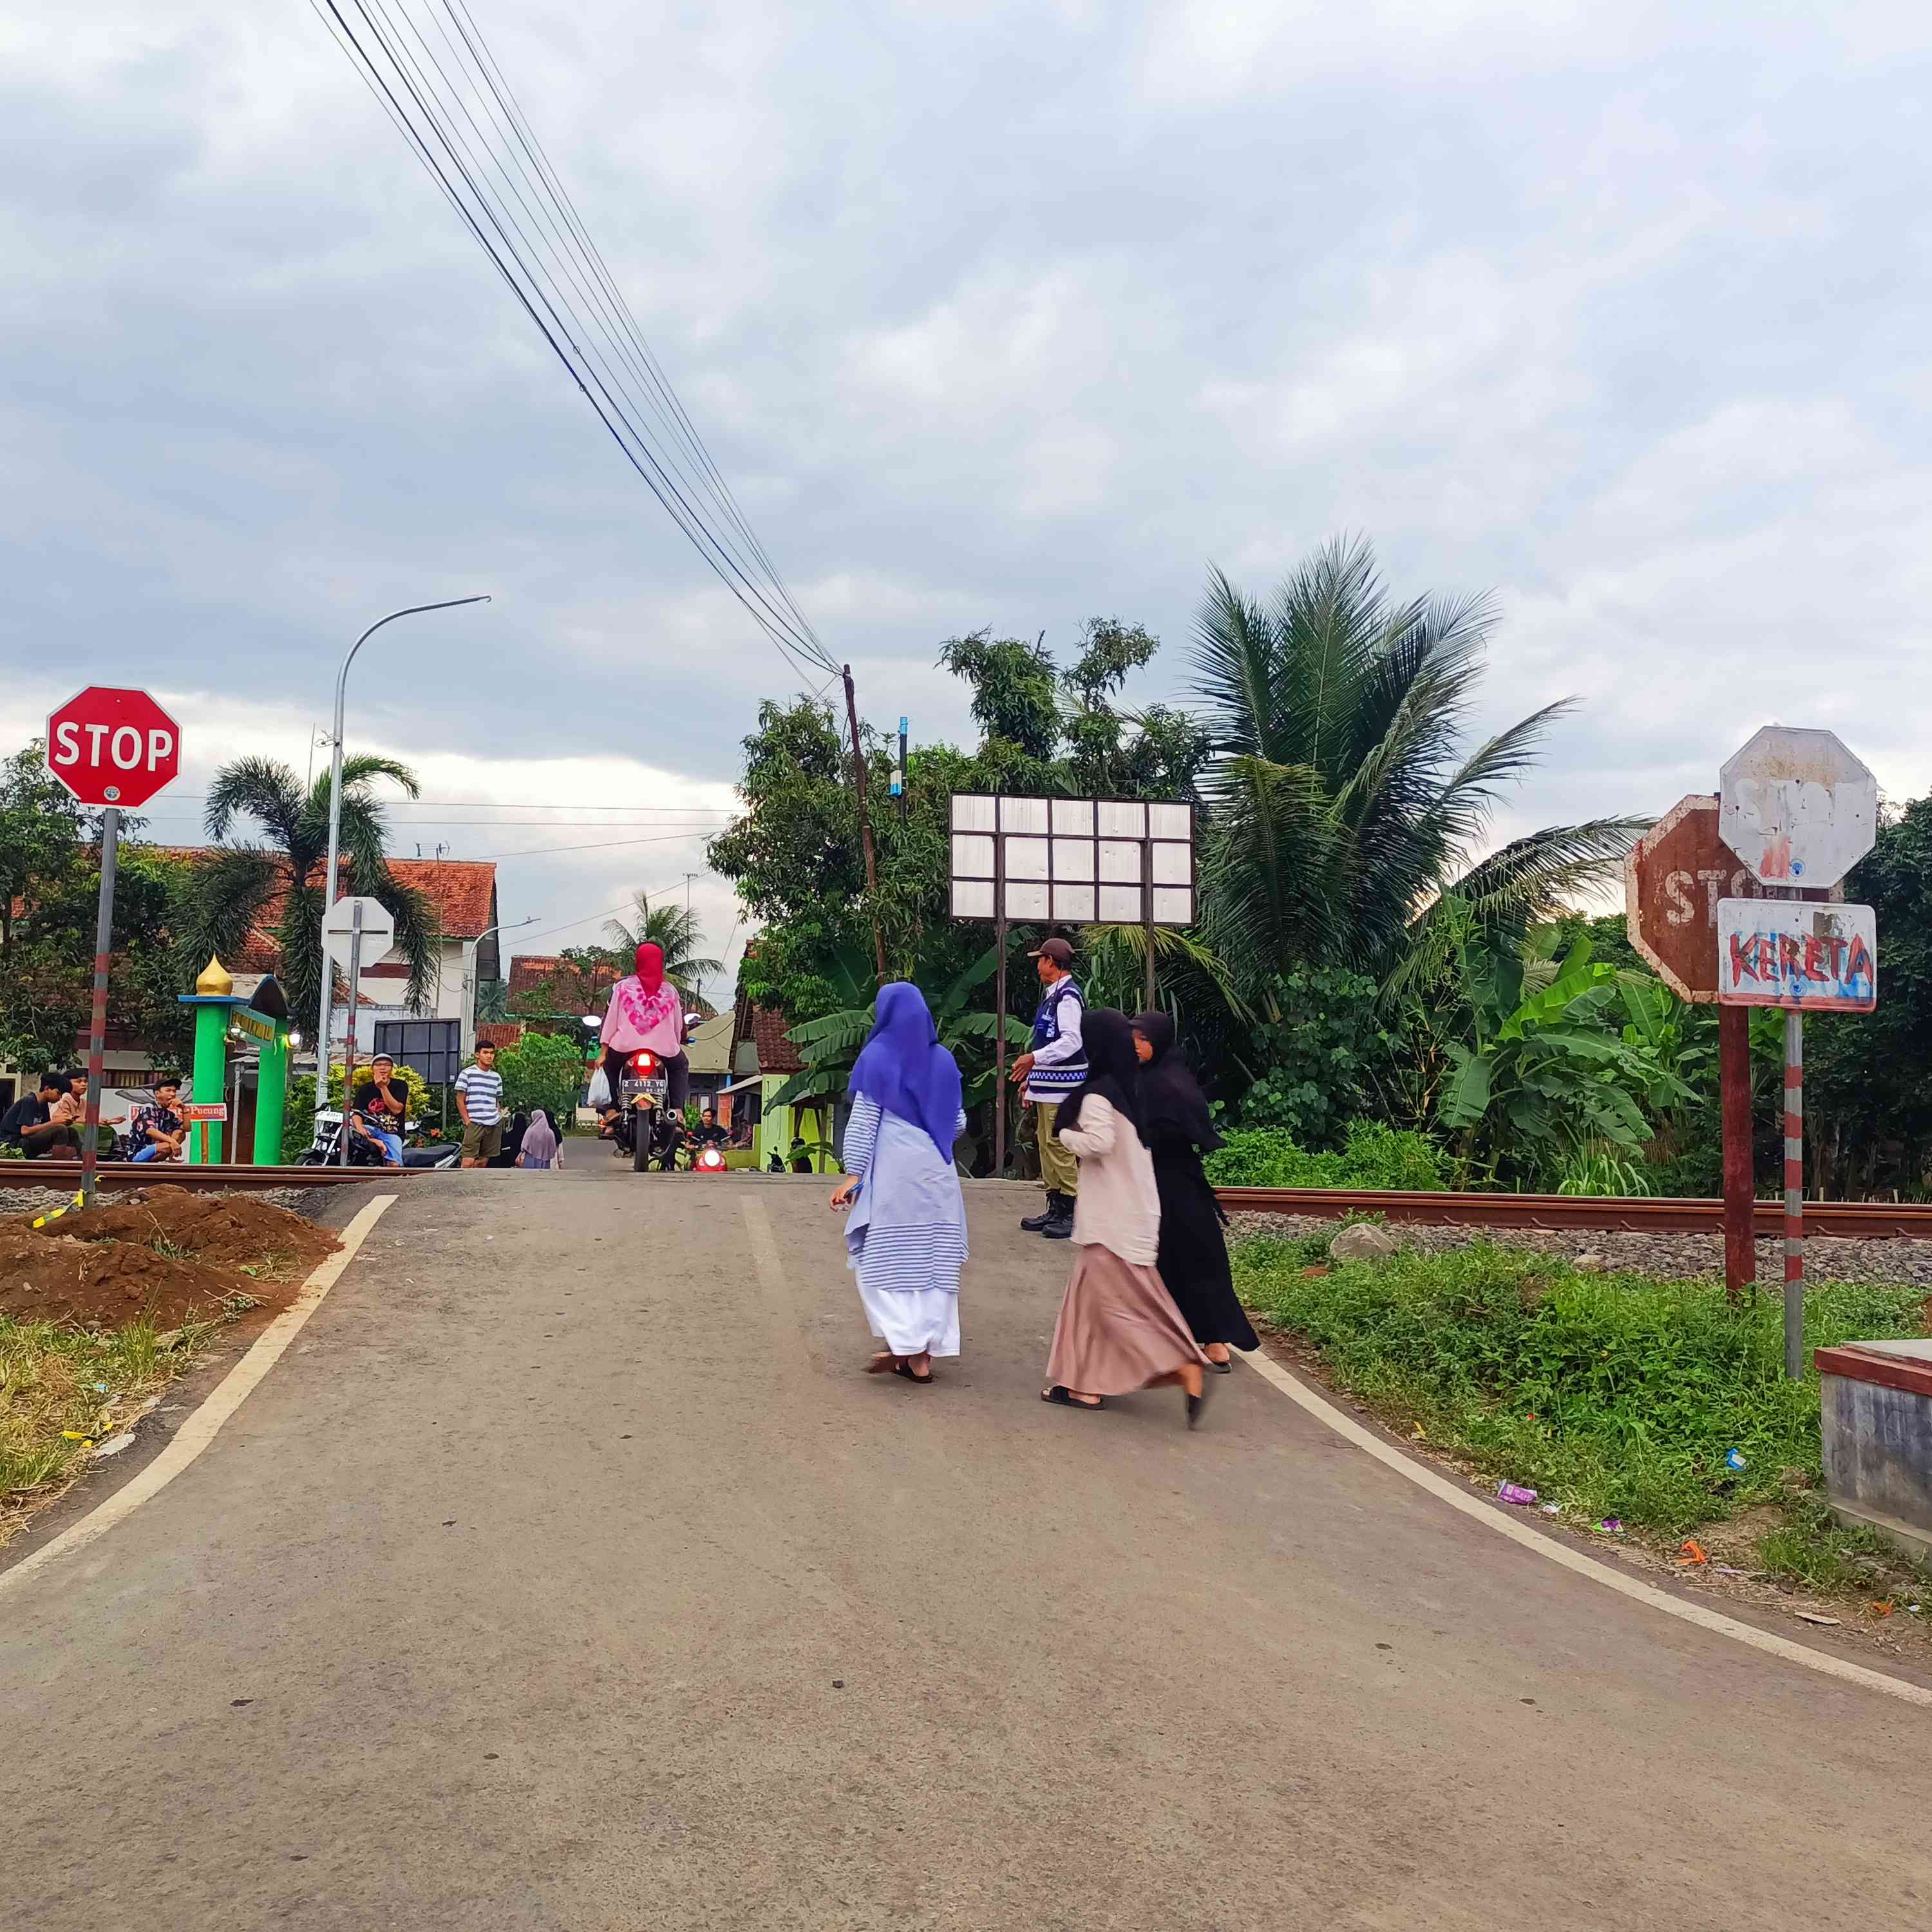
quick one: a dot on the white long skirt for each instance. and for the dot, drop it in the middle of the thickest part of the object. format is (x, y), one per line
(913, 1321)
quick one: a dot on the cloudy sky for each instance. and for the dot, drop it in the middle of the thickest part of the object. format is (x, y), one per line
(993, 314)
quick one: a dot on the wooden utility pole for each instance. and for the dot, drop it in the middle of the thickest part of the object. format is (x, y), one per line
(865, 826)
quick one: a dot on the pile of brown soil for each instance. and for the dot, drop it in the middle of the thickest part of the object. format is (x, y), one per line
(101, 1267)
(216, 1227)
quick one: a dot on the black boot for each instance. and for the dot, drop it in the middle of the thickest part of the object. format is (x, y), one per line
(1059, 1224)
(1035, 1224)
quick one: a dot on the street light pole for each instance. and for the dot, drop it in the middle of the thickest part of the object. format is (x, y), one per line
(471, 982)
(321, 1041)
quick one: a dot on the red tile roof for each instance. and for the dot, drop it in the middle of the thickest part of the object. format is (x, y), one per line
(765, 1027)
(499, 1033)
(461, 893)
(570, 987)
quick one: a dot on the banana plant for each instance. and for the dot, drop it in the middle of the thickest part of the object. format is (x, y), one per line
(829, 1045)
(1549, 1073)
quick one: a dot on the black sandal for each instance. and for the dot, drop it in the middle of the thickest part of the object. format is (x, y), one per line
(905, 1369)
(1063, 1398)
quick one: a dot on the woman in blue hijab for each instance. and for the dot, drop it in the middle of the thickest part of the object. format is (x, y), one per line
(906, 1235)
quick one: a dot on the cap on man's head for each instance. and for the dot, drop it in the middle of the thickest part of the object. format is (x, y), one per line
(1057, 950)
(383, 1060)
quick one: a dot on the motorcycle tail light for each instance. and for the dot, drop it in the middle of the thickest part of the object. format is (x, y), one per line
(643, 1063)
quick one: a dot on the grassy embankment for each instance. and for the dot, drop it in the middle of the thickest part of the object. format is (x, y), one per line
(1614, 1395)
(64, 1389)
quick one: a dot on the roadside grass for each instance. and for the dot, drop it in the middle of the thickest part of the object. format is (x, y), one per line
(1614, 1395)
(63, 1388)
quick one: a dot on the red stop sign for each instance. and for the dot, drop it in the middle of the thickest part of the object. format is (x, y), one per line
(112, 747)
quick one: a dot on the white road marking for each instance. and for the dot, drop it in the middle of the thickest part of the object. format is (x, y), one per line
(199, 1430)
(1561, 1553)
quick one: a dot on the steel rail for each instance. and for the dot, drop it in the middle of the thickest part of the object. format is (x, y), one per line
(66, 1173)
(1637, 1214)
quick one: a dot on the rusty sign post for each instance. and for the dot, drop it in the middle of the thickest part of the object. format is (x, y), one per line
(1676, 876)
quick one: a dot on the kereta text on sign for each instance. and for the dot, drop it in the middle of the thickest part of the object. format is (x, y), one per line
(1797, 954)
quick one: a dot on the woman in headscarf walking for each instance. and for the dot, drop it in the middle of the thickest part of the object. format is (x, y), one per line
(540, 1147)
(906, 1235)
(1119, 1329)
(1193, 1258)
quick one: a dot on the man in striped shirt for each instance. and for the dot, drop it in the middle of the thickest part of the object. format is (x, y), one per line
(479, 1100)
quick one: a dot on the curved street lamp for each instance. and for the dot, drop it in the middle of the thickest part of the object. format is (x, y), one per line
(323, 1043)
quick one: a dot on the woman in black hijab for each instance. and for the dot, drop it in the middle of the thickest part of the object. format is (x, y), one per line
(1193, 1257)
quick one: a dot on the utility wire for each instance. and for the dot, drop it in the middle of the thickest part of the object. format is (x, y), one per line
(621, 381)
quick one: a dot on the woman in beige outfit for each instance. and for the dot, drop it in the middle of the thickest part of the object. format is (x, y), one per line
(1119, 1329)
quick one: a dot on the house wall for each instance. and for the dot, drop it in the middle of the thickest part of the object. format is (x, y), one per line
(778, 1125)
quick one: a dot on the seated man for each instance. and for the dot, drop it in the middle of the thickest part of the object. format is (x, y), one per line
(157, 1131)
(382, 1107)
(29, 1124)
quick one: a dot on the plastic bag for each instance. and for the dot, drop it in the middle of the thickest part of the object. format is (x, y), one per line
(600, 1088)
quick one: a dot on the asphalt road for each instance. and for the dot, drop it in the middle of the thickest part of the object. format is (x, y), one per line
(567, 1572)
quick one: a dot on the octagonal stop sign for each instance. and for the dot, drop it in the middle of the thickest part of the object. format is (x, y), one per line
(1674, 878)
(1797, 808)
(113, 747)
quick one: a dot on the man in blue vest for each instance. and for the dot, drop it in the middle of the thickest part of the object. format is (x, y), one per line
(1056, 1066)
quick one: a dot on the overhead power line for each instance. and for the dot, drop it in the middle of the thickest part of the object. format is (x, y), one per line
(453, 105)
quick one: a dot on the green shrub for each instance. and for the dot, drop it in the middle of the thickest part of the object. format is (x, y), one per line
(1372, 1155)
(1616, 1395)
(544, 1070)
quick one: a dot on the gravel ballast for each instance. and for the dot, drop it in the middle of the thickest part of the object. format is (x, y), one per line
(1672, 1255)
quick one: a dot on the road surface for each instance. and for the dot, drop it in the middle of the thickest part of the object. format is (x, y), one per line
(566, 1573)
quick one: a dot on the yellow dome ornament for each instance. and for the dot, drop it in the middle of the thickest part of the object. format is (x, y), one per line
(216, 981)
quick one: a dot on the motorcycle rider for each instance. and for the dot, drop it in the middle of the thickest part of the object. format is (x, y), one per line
(647, 1011)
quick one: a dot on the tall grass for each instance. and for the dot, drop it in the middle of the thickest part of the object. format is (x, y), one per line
(1616, 1395)
(61, 1387)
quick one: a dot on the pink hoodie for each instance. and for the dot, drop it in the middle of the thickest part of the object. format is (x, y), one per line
(636, 1019)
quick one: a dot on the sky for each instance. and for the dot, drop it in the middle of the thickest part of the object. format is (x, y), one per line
(992, 314)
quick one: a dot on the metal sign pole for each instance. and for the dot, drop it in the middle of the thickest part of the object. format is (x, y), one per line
(1000, 1008)
(1794, 1195)
(1147, 914)
(1740, 1179)
(349, 1049)
(97, 1030)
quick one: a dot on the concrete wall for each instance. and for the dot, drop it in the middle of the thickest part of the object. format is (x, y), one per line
(1876, 1421)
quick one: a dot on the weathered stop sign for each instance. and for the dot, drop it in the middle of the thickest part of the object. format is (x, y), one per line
(112, 747)
(1673, 880)
(1798, 807)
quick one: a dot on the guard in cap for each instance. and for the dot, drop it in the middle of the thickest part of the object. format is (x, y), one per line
(1056, 1065)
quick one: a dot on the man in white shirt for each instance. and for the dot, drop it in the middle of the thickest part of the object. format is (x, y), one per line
(1056, 1064)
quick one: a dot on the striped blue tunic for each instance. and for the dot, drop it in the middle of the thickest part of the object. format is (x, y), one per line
(906, 1236)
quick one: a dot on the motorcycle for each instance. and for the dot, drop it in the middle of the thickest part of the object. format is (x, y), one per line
(325, 1150)
(644, 1127)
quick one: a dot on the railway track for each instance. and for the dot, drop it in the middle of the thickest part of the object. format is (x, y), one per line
(1856, 1220)
(216, 1174)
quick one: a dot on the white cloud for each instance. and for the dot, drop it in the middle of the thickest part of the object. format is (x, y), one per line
(992, 314)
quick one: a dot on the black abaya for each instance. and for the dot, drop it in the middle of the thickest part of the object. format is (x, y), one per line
(1193, 1257)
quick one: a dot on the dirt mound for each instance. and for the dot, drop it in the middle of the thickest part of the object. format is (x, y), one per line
(166, 1254)
(106, 1283)
(220, 1229)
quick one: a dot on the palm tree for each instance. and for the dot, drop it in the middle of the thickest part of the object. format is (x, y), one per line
(677, 931)
(278, 875)
(1341, 805)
